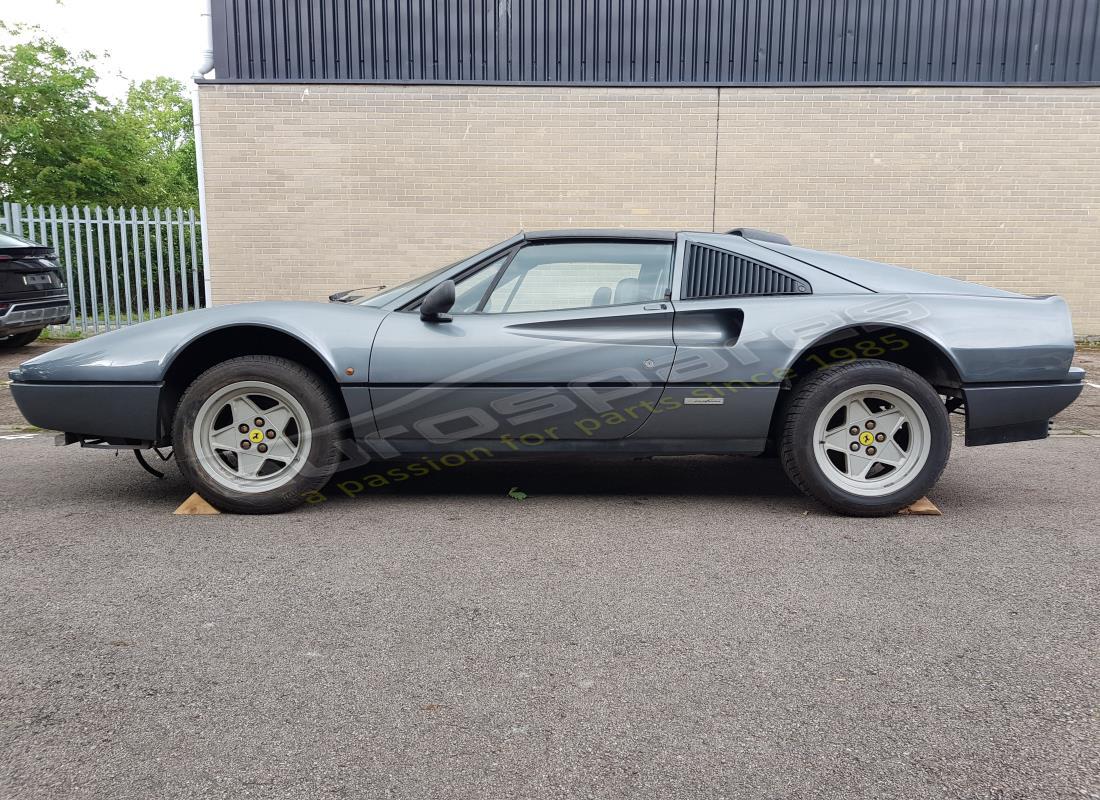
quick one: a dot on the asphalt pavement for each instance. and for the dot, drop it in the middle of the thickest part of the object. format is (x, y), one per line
(681, 627)
(668, 628)
(10, 418)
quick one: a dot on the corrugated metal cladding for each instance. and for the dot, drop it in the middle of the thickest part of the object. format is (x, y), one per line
(659, 42)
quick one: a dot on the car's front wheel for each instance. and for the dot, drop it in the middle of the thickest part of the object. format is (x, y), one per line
(867, 438)
(256, 434)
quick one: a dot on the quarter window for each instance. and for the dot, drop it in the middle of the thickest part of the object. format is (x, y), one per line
(470, 290)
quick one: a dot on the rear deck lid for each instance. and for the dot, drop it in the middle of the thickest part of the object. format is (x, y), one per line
(885, 278)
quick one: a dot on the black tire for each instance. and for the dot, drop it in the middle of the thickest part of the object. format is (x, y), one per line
(809, 400)
(20, 339)
(322, 409)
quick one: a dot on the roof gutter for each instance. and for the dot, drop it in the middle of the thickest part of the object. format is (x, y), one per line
(206, 63)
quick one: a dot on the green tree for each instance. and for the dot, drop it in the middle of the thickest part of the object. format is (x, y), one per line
(161, 107)
(63, 142)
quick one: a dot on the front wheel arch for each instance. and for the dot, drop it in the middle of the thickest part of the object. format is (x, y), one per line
(226, 437)
(223, 344)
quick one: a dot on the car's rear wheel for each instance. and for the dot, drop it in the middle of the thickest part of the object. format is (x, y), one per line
(20, 339)
(867, 438)
(256, 434)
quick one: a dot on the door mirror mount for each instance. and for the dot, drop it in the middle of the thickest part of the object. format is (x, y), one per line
(436, 304)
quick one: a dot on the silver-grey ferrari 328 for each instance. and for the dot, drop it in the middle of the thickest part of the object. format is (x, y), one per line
(579, 342)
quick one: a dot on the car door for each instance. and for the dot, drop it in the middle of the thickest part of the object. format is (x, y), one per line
(558, 340)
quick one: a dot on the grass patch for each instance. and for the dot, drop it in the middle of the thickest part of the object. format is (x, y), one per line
(60, 336)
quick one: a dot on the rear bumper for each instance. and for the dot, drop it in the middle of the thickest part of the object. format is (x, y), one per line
(117, 411)
(29, 315)
(1016, 412)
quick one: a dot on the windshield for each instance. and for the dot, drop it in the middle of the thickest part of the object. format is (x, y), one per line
(389, 294)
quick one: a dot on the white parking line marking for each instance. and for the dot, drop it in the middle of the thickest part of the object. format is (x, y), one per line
(1093, 385)
(19, 436)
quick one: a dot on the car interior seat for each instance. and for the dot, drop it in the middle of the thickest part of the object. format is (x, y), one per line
(627, 291)
(602, 297)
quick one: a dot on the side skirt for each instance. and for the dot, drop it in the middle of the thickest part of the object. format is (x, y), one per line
(535, 445)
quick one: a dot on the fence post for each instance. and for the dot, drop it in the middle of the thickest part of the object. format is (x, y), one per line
(148, 263)
(79, 247)
(137, 264)
(16, 221)
(123, 235)
(183, 259)
(68, 264)
(160, 261)
(200, 301)
(106, 296)
(171, 256)
(92, 280)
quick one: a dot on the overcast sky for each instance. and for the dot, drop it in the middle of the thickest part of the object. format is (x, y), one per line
(143, 38)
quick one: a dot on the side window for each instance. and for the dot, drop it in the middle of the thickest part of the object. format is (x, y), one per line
(545, 277)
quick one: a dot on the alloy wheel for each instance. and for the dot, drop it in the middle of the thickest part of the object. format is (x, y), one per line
(872, 440)
(252, 436)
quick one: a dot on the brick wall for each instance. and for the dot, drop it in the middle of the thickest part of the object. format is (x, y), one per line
(311, 189)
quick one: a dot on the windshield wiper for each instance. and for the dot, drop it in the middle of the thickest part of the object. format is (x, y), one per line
(346, 296)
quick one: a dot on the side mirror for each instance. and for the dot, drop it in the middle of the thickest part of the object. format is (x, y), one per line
(434, 307)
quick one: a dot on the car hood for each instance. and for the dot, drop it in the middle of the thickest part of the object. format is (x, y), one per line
(341, 336)
(885, 278)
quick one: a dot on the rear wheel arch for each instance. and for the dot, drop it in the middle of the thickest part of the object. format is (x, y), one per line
(222, 344)
(921, 354)
(894, 343)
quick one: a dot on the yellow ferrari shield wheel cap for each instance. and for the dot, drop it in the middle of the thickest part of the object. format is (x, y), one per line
(865, 438)
(256, 435)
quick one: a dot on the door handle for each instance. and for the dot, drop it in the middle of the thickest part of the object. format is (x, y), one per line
(655, 307)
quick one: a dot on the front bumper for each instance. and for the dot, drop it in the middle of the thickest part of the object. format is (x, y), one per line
(1017, 412)
(111, 411)
(29, 315)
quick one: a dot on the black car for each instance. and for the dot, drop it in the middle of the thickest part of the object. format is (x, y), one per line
(32, 292)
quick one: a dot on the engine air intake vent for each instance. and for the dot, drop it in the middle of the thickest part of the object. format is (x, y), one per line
(710, 272)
